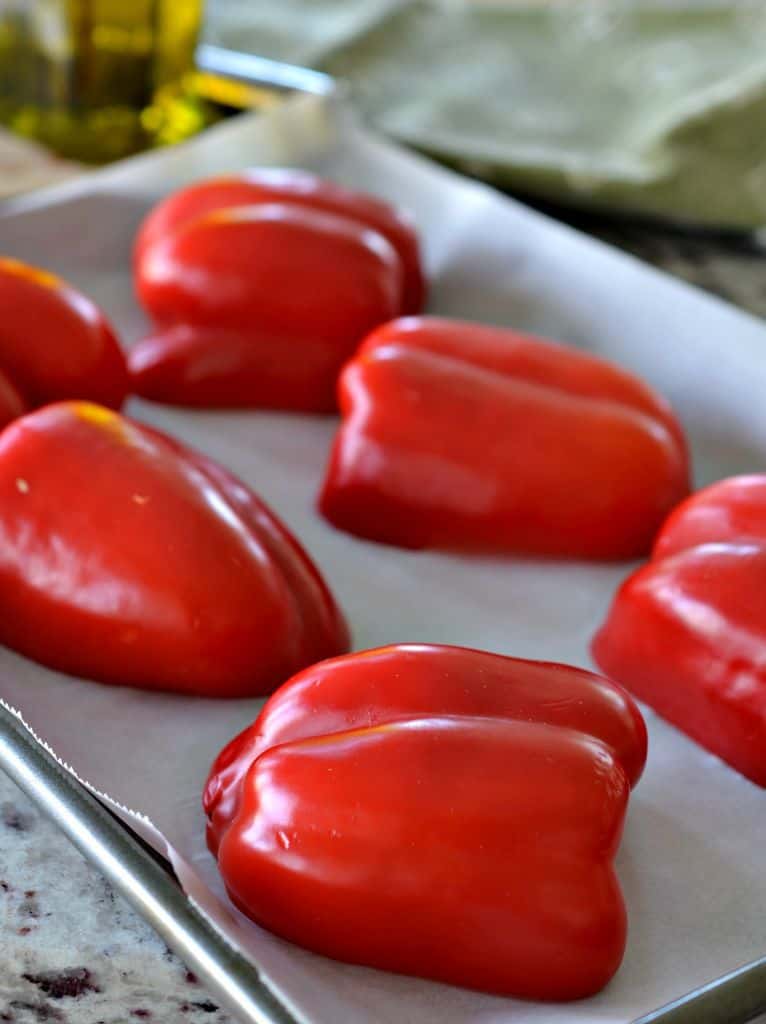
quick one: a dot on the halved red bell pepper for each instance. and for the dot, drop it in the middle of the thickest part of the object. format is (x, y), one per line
(290, 185)
(262, 285)
(436, 811)
(260, 306)
(462, 436)
(165, 572)
(54, 344)
(408, 680)
(687, 632)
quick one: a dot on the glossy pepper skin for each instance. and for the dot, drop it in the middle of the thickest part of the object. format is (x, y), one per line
(54, 344)
(260, 306)
(165, 573)
(436, 811)
(729, 510)
(262, 285)
(687, 632)
(461, 436)
(301, 188)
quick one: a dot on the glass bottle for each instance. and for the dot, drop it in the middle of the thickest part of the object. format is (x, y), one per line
(97, 80)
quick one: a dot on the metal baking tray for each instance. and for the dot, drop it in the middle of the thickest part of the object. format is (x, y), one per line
(148, 880)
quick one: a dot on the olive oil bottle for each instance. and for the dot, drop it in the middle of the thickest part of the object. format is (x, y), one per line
(97, 80)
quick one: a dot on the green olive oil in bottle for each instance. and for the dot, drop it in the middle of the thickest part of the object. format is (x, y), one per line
(97, 80)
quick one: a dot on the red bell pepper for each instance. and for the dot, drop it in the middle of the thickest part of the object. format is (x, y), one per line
(260, 306)
(436, 811)
(730, 510)
(288, 185)
(54, 343)
(462, 436)
(261, 286)
(687, 632)
(165, 572)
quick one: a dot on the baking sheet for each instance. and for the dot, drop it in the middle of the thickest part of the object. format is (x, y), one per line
(691, 862)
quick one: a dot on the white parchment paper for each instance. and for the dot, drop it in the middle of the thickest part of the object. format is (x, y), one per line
(692, 860)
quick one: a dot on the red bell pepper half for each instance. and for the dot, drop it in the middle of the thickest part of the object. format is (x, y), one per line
(461, 436)
(687, 632)
(54, 344)
(261, 285)
(129, 559)
(436, 811)
(301, 188)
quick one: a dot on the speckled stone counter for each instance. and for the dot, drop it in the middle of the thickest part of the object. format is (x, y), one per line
(71, 951)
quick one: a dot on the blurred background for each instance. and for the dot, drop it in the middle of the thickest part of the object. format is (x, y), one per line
(640, 120)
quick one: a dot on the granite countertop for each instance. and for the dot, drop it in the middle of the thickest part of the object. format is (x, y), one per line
(72, 951)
